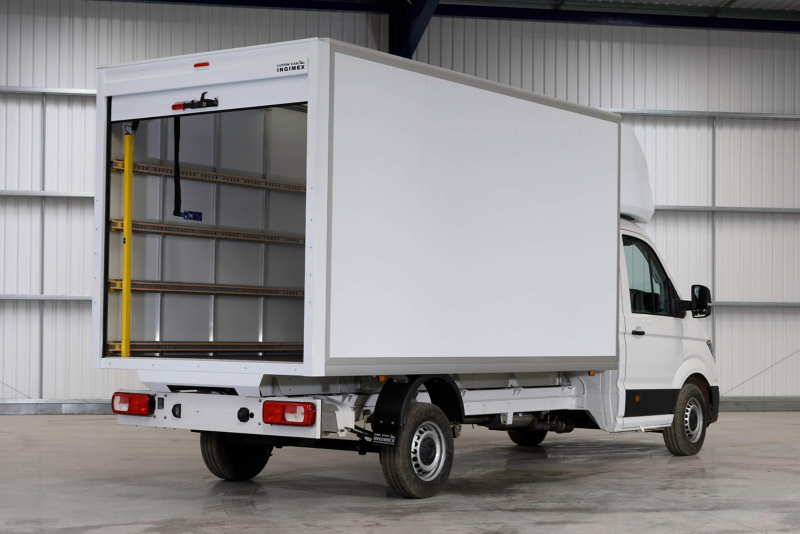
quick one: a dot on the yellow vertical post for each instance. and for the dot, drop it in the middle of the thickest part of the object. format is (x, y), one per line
(127, 231)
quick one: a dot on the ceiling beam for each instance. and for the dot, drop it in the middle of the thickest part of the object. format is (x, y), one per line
(723, 7)
(576, 11)
(408, 20)
(369, 6)
(617, 18)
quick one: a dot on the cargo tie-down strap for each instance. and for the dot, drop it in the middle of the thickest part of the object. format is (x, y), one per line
(177, 174)
(194, 104)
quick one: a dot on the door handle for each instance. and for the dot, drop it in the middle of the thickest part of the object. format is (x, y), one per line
(638, 331)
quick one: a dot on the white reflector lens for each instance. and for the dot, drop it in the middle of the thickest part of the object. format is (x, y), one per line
(132, 403)
(289, 413)
(294, 414)
(121, 403)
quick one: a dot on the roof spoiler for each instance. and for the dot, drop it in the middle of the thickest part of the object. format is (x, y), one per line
(636, 198)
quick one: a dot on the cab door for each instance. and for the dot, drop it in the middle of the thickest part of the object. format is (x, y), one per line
(653, 335)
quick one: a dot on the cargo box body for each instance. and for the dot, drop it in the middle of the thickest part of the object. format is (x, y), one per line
(439, 223)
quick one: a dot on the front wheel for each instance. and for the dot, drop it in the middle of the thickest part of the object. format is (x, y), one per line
(419, 463)
(688, 431)
(231, 459)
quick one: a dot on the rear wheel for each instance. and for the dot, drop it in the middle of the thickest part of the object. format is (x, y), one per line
(688, 431)
(232, 459)
(419, 463)
(527, 437)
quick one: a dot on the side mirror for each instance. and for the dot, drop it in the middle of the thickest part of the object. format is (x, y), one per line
(701, 300)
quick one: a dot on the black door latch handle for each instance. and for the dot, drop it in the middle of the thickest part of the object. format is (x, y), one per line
(202, 103)
(637, 331)
(196, 104)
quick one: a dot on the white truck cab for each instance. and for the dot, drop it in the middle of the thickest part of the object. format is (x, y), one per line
(665, 346)
(312, 244)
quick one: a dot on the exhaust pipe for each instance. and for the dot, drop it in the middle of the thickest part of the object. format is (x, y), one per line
(521, 420)
(562, 427)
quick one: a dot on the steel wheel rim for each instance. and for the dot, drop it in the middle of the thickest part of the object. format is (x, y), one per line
(428, 451)
(693, 420)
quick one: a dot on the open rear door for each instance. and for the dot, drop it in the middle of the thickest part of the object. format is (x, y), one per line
(213, 273)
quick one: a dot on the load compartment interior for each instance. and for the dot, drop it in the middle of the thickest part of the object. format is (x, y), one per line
(225, 279)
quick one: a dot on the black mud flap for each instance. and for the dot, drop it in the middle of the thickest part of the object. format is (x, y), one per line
(714, 408)
(394, 400)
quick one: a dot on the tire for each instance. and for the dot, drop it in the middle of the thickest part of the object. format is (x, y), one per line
(527, 438)
(229, 460)
(688, 431)
(419, 463)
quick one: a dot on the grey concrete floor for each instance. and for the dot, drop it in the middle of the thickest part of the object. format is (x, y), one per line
(76, 473)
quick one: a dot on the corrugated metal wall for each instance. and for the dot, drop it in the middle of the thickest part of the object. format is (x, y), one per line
(51, 43)
(44, 347)
(60, 43)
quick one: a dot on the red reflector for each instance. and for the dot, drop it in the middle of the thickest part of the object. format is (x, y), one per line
(198, 65)
(179, 105)
(132, 403)
(290, 413)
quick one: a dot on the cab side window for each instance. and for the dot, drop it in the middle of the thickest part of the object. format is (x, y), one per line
(647, 279)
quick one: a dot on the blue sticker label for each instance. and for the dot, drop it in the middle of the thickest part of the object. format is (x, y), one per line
(192, 215)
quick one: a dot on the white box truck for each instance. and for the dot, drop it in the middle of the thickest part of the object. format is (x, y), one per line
(312, 244)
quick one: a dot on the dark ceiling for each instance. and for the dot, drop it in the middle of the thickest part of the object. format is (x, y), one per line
(755, 9)
(755, 15)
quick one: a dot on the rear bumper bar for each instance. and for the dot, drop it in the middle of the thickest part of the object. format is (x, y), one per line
(219, 413)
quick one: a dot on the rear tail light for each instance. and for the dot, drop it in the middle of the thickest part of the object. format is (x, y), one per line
(290, 413)
(132, 403)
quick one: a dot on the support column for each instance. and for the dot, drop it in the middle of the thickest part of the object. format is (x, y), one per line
(129, 130)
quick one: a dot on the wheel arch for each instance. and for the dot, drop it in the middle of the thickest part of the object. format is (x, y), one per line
(694, 366)
(394, 400)
(710, 393)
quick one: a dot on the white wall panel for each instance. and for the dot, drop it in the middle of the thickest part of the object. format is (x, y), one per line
(757, 163)
(20, 142)
(758, 257)
(20, 268)
(69, 143)
(757, 351)
(20, 253)
(603, 66)
(754, 72)
(625, 67)
(20, 349)
(67, 357)
(68, 246)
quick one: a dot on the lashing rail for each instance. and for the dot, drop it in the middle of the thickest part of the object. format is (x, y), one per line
(189, 346)
(206, 289)
(204, 176)
(211, 233)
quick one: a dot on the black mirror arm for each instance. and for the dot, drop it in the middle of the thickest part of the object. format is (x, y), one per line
(679, 308)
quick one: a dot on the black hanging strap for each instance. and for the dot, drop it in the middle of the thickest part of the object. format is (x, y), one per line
(177, 176)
